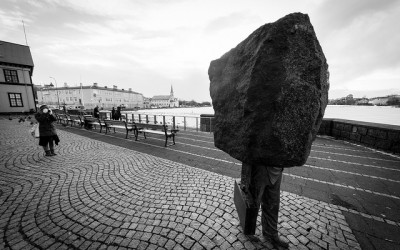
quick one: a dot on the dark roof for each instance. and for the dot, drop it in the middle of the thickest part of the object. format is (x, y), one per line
(161, 97)
(91, 87)
(15, 54)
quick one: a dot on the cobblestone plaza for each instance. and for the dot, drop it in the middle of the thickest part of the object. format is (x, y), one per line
(95, 195)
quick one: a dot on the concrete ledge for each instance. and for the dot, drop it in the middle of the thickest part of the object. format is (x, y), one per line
(374, 135)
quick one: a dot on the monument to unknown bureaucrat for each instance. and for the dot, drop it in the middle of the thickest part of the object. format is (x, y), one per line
(269, 96)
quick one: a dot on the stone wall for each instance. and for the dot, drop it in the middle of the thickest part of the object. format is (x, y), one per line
(374, 135)
(207, 122)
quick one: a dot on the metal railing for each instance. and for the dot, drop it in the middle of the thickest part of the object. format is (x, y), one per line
(193, 123)
(185, 123)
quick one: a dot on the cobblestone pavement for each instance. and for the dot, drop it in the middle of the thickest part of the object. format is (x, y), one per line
(362, 182)
(94, 195)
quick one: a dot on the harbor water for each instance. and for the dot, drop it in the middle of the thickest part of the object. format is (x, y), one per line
(375, 114)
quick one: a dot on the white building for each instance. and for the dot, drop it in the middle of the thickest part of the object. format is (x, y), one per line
(379, 100)
(16, 88)
(89, 97)
(162, 101)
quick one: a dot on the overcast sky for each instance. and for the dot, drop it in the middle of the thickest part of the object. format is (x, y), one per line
(149, 45)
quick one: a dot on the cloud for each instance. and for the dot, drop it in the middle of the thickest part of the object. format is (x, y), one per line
(149, 45)
(359, 39)
(231, 21)
(334, 15)
(11, 23)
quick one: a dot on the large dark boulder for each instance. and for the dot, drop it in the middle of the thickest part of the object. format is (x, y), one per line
(269, 94)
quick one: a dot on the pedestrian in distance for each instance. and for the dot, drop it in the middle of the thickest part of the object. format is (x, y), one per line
(113, 114)
(47, 131)
(118, 113)
(96, 112)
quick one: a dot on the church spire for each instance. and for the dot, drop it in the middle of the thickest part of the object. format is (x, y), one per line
(172, 90)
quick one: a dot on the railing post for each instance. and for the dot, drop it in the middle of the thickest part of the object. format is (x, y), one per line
(184, 123)
(197, 124)
(173, 122)
(164, 119)
(210, 123)
(147, 118)
(140, 118)
(155, 119)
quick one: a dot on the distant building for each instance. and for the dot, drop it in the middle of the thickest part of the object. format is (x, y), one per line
(362, 101)
(146, 102)
(89, 97)
(379, 100)
(162, 101)
(16, 88)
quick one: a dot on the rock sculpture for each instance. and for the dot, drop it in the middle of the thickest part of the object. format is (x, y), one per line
(269, 96)
(270, 92)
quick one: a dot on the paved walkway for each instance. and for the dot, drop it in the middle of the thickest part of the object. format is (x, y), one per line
(96, 195)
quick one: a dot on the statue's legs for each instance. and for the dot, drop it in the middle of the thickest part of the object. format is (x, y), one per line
(270, 201)
(265, 188)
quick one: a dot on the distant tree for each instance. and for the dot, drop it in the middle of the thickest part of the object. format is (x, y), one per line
(393, 101)
(350, 100)
(205, 104)
(192, 103)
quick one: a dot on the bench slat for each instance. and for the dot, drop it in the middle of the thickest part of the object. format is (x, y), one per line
(160, 129)
(120, 124)
(152, 131)
(94, 121)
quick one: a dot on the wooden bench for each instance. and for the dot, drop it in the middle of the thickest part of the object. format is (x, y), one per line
(102, 124)
(91, 121)
(76, 119)
(58, 117)
(63, 118)
(120, 124)
(158, 129)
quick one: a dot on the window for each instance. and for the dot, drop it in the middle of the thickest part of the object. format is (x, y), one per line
(15, 99)
(11, 75)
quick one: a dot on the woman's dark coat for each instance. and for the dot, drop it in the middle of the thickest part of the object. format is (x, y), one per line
(46, 126)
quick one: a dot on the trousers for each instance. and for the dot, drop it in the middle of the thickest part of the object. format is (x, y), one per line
(265, 188)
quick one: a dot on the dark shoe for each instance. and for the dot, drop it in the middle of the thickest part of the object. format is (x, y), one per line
(48, 153)
(52, 152)
(276, 240)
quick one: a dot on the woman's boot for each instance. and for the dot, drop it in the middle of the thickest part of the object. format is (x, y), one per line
(52, 152)
(48, 153)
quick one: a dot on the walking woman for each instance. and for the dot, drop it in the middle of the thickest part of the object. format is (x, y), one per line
(118, 113)
(113, 113)
(47, 131)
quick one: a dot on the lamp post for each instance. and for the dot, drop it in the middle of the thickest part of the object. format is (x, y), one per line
(58, 98)
(82, 103)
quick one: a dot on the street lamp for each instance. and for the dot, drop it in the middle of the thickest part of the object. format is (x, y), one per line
(58, 98)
